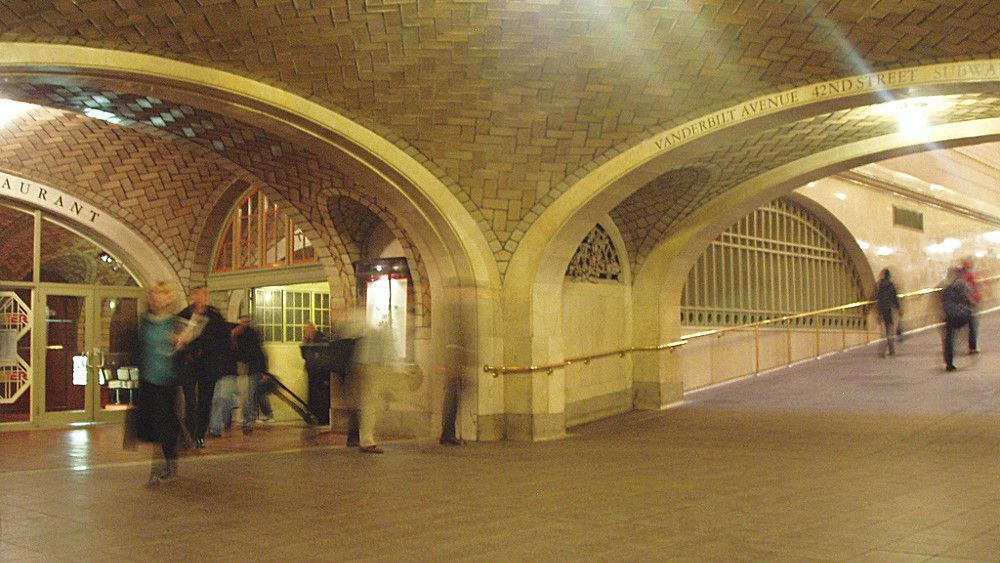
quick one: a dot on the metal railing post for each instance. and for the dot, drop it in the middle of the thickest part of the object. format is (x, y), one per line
(788, 339)
(756, 348)
(843, 330)
(817, 325)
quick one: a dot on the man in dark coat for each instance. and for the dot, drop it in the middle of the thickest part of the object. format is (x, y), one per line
(956, 305)
(207, 357)
(887, 301)
(249, 351)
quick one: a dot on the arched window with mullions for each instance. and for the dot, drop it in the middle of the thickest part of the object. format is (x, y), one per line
(258, 235)
(778, 260)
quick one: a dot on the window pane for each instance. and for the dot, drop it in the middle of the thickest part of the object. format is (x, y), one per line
(275, 239)
(224, 257)
(267, 313)
(17, 242)
(302, 248)
(69, 258)
(249, 224)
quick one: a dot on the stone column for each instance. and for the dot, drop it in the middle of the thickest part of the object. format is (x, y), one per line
(535, 402)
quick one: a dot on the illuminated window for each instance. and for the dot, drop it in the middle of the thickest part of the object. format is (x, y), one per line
(280, 313)
(321, 309)
(267, 313)
(298, 311)
(778, 260)
(259, 235)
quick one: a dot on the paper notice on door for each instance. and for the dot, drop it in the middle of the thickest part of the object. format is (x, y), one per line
(79, 370)
(8, 347)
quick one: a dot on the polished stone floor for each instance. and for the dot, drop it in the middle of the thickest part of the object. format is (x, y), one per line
(851, 458)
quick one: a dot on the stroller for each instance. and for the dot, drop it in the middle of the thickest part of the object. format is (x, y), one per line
(291, 399)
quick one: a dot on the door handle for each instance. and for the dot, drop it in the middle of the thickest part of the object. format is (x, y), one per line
(96, 358)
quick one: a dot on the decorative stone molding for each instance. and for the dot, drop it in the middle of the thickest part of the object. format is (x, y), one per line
(596, 258)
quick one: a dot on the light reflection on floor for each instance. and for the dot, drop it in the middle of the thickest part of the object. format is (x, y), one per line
(80, 448)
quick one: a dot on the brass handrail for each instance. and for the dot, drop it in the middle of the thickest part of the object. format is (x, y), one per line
(684, 339)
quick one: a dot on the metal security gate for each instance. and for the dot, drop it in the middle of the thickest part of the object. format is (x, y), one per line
(15, 366)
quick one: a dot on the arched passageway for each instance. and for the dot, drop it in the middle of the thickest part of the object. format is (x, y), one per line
(302, 154)
(674, 193)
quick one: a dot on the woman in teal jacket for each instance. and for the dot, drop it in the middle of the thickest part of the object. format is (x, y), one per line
(159, 330)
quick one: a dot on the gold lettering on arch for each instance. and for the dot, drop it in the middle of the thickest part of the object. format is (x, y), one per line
(886, 80)
(39, 196)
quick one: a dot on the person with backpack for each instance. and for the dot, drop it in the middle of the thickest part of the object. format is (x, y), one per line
(956, 306)
(966, 271)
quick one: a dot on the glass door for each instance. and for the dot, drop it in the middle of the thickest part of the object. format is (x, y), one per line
(115, 375)
(65, 361)
(88, 361)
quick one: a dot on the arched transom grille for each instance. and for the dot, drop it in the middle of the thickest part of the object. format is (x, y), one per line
(778, 260)
(596, 258)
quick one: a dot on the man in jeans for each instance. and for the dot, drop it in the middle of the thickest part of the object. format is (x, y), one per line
(250, 352)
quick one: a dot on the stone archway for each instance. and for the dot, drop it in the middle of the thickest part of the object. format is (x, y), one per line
(457, 256)
(658, 284)
(531, 280)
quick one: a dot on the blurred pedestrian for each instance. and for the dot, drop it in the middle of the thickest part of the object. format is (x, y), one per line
(208, 357)
(250, 352)
(966, 271)
(956, 306)
(454, 365)
(346, 333)
(159, 334)
(887, 301)
(266, 385)
(313, 335)
(319, 363)
(372, 362)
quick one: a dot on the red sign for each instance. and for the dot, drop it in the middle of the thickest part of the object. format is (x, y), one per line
(19, 376)
(17, 318)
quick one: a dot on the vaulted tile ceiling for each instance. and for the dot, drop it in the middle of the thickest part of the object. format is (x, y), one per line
(510, 102)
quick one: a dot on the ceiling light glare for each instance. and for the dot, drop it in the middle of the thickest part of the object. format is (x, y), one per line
(912, 114)
(102, 115)
(980, 253)
(884, 251)
(946, 246)
(912, 118)
(992, 236)
(864, 245)
(9, 109)
(952, 243)
(811, 185)
(840, 195)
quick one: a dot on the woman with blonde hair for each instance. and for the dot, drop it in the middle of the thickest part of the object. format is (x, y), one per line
(158, 342)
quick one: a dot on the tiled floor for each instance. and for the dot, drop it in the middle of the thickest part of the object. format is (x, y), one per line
(850, 458)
